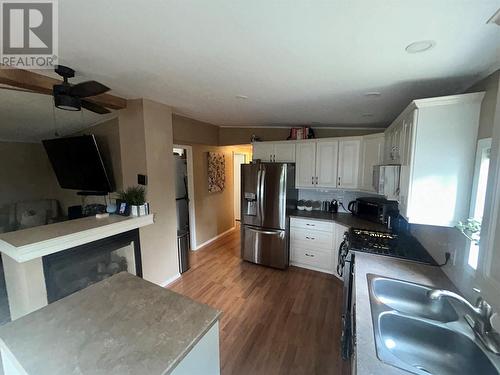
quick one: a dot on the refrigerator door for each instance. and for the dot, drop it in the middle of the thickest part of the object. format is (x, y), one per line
(264, 246)
(250, 194)
(272, 200)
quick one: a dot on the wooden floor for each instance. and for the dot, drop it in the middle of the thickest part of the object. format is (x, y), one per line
(274, 322)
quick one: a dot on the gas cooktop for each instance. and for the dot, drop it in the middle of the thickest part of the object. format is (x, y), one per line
(390, 244)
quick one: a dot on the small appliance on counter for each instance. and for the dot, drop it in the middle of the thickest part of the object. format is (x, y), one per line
(334, 206)
(379, 210)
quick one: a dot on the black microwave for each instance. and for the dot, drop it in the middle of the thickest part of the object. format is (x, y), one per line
(374, 209)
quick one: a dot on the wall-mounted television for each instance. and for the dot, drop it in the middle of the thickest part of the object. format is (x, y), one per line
(78, 164)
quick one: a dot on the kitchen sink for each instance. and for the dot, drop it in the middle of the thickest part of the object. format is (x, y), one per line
(423, 347)
(412, 299)
(422, 336)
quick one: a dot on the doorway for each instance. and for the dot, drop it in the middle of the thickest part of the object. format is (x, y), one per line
(184, 198)
(238, 160)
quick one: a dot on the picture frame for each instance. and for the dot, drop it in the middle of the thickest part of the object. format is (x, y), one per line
(122, 208)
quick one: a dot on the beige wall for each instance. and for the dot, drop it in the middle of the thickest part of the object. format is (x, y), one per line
(25, 174)
(236, 136)
(188, 131)
(146, 144)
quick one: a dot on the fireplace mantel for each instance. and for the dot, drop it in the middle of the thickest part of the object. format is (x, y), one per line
(28, 244)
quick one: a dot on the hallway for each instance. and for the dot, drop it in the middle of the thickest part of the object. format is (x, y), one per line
(274, 322)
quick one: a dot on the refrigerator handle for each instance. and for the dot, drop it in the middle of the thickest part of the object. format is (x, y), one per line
(261, 199)
(259, 172)
(277, 232)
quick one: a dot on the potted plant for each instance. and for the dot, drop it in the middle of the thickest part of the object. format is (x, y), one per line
(135, 197)
(471, 229)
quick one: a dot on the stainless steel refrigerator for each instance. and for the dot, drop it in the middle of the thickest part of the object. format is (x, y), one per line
(267, 192)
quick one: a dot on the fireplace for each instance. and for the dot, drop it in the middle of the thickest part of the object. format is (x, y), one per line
(69, 271)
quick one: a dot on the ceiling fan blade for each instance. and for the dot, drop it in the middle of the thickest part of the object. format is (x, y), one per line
(96, 108)
(89, 88)
(12, 88)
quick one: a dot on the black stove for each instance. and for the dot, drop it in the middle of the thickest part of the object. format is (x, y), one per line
(402, 246)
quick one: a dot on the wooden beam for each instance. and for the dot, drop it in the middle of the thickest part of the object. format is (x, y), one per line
(27, 80)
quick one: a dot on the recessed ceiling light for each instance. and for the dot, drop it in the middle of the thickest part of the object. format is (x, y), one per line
(241, 97)
(372, 93)
(420, 46)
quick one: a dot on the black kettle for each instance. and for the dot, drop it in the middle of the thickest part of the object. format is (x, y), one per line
(334, 206)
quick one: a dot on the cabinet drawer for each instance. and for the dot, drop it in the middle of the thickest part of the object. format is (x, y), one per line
(321, 260)
(312, 238)
(311, 224)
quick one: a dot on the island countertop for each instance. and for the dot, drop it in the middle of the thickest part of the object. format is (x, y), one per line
(122, 325)
(27, 244)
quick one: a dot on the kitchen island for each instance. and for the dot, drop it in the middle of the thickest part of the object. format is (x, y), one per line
(122, 325)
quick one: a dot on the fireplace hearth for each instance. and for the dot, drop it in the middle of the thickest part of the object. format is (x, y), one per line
(69, 271)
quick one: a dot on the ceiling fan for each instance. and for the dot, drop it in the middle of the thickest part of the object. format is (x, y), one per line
(67, 96)
(71, 97)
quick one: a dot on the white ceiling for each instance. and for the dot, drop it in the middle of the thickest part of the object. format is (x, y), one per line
(299, 62)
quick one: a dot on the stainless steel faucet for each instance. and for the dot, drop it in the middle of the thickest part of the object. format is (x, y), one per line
(479, 320)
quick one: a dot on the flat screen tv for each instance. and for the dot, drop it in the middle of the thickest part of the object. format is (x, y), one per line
(78, 164)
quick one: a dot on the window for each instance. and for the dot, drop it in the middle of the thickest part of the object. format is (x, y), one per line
(479, 192)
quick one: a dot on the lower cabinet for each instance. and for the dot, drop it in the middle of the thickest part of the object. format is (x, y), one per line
(314, 244)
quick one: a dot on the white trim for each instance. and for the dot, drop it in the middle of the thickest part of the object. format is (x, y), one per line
(314, 126)
(56, 237)
(191, 205)
(214, 238)
(235, 198)
(170, 280)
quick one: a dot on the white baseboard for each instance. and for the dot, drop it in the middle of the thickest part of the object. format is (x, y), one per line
(170, 280)
(213, 239)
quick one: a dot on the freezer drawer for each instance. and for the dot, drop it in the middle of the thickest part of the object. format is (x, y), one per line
(268, 247)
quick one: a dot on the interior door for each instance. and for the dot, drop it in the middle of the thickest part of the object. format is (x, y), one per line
(349, 163)
(326, 163)
(305, 164)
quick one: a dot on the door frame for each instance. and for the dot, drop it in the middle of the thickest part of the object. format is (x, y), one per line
(234, 195)
(191, 205)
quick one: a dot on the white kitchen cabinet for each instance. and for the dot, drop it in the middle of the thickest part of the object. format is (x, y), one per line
(305, 164)
(327, 163)
(372, 153)
(434, 140)
(348, 164)
(263, 151)
(314, 244)
(274, 151)
(284, 152)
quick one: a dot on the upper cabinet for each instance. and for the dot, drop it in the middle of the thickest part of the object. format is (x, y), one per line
(328, 163)
(372, 153)
(434, 140)
(274, 151)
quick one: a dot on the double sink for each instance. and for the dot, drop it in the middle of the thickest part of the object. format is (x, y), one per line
(424, 336)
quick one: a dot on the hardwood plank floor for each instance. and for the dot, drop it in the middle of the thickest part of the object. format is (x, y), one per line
(273, 322)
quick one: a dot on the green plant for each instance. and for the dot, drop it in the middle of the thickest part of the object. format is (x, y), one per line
(134, 195)
(470, 229)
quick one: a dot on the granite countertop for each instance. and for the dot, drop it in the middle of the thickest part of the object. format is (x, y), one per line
(367, 361)
(342, 218)
(122, 325)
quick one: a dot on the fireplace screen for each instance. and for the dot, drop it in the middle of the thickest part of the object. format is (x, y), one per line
(69, 271)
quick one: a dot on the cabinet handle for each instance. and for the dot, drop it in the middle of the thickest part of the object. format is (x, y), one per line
(310, 238)
(339, 181)
(309, 255)
(270, 157)
(316, 180)
(311, 225)
(312, 180)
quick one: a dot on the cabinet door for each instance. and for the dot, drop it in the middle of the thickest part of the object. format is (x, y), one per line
(263, 151)
(348, 168)
(284, 152)
(406, 152)
(305, 163)
(372, 154)
(326, 163)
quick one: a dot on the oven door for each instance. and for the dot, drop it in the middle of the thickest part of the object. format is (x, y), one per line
(347, 337)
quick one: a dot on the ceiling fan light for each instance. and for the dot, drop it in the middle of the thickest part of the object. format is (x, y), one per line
(67, 103)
